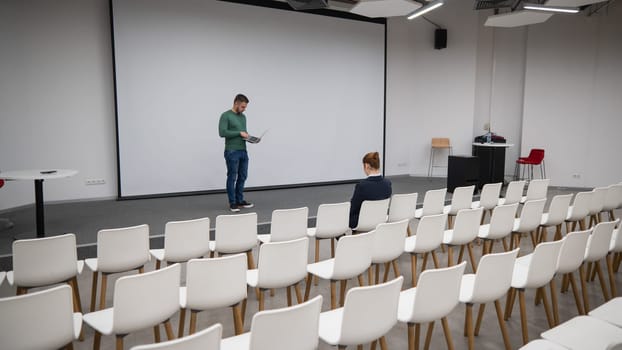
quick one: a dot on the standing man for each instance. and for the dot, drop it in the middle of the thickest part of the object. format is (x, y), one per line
(232, 126)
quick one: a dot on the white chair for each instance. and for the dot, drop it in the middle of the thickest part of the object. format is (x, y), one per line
(490, 283)
(612, 199)
(207, 339)
(367, 315)
(488, 198)
(428, 238)
(387, 247)
(2, 277)
(500, 227)
(118, 250)
(183, 240)
(615, 251)
(513, 193)
(433, 203)
(529, 221)
(352, 258)
(577, 212)
(542, 344)
(597, 204)
(294, 327)
(585, 333)
(537, 189)
(463, 233)
(570, 260)
(372, 213)
(435, 297)
(39, 320)
(462, 198)
(280, 265)
(558, 210)
(610, 312)
(533, 270)
(212, 284)
(235, 234)
(42, 262)
(332, 221)
(597, 248)
(403, 207)
(287, 225)
(136, 306)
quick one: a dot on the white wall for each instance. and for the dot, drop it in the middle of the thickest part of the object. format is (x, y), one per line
(430, 93)
(573, 104)
(56, 97)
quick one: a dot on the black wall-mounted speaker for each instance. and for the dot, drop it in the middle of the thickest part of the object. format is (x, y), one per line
(307, 4)
(440, 39)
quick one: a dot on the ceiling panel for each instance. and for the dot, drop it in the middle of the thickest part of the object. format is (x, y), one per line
(572, 3)
(517, 18)
(385, 8)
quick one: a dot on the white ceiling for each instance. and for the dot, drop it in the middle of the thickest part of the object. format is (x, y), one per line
(517, 18)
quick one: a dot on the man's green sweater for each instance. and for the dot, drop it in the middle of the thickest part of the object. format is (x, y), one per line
(229, 127)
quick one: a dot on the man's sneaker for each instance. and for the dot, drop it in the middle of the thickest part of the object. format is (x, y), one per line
(234, 208)
(245, 204)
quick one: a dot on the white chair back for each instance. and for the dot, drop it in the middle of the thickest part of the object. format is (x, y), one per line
(558, 210)
(598, 200)
(122, 249)
(295, 327)
(44, 261)
(372, 213)
(289, 224)
(437, 293)
(215, 283)
(282, 264)
(135, 304)
(501, 221)
(388, 242)
(332, 220)
(402, 206)
(599, 241)
(542, 265)
(466, 228)
(514, 192)
(616, 241)
(185, 240)
(434, 202)
(537, 189)
(352, 255)
(493, 277)
(206, 339)
(572, 252)
(370, 312)
(612, 198)
(489, 198)
(530, 216)
(430, 231)
(462, 198)
(580, 207)
(40, 320)
(236, 233)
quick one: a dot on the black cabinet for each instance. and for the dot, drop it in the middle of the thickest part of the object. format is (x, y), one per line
(491, 163)
(462, 171)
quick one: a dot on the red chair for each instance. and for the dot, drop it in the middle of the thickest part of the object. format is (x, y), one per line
(536, 157)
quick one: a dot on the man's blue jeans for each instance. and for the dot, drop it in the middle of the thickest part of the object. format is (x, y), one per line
(237, 171)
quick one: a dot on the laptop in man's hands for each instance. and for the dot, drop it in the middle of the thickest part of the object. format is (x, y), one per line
(255, 139)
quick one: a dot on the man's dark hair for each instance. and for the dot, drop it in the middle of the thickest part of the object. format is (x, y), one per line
(240, 98)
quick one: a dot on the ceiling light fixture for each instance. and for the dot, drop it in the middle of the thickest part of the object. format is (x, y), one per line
(425, 9)
(561, 9)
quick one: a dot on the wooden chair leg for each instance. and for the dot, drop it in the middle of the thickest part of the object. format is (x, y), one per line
(509, 303)
(468, 326)
(383, 343)
(333, 298)
(523, 316)
(250, 260)
(308, 286)
(69, 346)
(504, 331)
(317, 258)
(332, 247)
(554, 302)
(237, 320)
(480, 317)
(601, 278)
(586, 302)
(505, 245)
(558, 232)
(612, 282)
(408, 232)
(169, 330)
(156, 334)
(450, 253)
(244, 310)
(119, 342)
(182, 321)
(342, 292)
(261, 300)
(547, 308)
(298, 294)
(428, 335)
(435, 258)
(412, 343)
(361, 281)
(94, 290)
(396, 268)
(289, 296)
(77, 305)
(102, 296)
(193, 321)
(369, 276)
(461, 254)
(575, 292)
(471, 257)
(413, 271)
(447, 331)
(97, 340)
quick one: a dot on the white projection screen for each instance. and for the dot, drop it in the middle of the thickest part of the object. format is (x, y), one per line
(316, 82)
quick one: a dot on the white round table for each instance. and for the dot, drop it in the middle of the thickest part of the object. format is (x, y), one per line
(38, 176)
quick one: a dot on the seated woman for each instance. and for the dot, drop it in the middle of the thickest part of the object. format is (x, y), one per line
(374, 187)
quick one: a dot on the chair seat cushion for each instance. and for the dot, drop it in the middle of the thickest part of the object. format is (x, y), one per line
(252, 277)
(610, 312)
(330, 326)
(91, 264)
(323, 269)
(238, 342)
(585, 333)
(466, 288)
(405, 306)
(101, 320)
(157, 253)
(264, 238)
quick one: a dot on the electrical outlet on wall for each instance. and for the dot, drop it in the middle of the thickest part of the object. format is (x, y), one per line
(90, 182)
(402, 165)
(576, 176)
